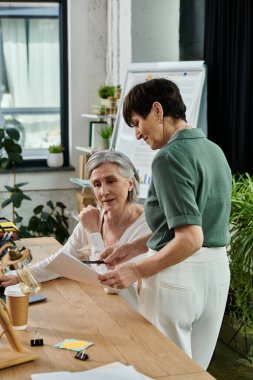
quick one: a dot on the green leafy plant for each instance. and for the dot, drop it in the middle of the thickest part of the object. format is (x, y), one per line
(105, 132)
(46, 221)
(241, 254)
(56, 148)
(241, 247)
(10, 150)
(105, 91)
(10, 156)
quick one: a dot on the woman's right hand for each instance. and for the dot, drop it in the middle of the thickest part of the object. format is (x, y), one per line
(116, 255)
(7, 280)
(120, 254)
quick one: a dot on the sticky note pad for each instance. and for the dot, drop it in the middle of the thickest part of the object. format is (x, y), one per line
(73, 344)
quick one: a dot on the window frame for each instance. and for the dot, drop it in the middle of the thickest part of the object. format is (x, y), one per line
(64, 102)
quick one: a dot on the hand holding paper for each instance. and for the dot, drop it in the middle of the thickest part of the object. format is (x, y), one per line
(70, 267)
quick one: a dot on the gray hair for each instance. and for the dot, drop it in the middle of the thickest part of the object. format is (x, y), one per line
(125, 165)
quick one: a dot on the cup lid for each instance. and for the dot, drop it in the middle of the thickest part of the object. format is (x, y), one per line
(13, 291)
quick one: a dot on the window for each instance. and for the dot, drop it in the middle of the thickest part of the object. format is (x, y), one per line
(33, 75)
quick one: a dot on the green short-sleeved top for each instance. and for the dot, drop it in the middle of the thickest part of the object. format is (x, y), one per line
(191, 184)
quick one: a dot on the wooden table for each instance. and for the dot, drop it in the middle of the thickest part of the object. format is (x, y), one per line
(85, 312)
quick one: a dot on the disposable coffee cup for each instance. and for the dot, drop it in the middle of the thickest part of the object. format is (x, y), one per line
(17, 305)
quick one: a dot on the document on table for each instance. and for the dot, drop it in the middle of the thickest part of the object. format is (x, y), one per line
(70, 267)
(113, 371)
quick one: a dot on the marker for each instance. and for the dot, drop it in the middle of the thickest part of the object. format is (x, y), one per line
(93, 261)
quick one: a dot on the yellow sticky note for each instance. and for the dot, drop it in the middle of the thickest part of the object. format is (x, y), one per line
(72, 345)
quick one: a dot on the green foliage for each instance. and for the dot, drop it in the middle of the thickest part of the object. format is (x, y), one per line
(105, 132)
(55, 149)
(241, 220)
(16, 195)
(45, 221)
(10, 156)
(10, 150)
(105, 91)
(241, 250)
(48, 221)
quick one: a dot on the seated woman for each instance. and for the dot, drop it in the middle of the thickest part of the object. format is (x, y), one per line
(119, 219)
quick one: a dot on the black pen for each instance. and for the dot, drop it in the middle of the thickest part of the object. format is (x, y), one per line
(93, 261)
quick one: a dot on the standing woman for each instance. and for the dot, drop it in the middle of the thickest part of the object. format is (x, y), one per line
(185, 279)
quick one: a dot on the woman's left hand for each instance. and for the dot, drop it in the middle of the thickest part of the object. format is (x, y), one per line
(89, 217)
(121, 277)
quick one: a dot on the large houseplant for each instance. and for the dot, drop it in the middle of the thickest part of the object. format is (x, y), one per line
(241, 252)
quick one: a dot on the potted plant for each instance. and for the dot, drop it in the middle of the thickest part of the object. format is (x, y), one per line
(55, 156)
(241, 255)
(117, 93)
(104, 92)
(105, 134)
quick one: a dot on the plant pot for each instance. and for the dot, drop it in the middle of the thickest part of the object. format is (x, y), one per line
(104, 102)
(105, 144)
(112, 104)
(55, 160)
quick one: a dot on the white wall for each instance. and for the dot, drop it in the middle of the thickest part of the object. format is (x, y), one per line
(155, 30)
(119, 47)
(141, 31)
(87, 65)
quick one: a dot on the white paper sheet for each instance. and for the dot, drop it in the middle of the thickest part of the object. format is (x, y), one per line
(51, 376)
(70, 267)
(113, 371)
(121, 372)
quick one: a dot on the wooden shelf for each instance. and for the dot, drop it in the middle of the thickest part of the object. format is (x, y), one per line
(87, 149)
(97, 117)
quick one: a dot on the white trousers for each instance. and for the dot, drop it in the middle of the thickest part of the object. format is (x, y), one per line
(186, 302)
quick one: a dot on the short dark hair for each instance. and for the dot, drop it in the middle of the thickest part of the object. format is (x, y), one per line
(142, 96)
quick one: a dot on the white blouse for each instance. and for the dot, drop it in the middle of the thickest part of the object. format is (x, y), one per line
(76, 245)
